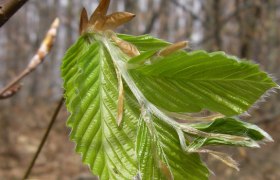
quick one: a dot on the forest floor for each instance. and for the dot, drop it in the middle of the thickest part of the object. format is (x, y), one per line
(21, 129)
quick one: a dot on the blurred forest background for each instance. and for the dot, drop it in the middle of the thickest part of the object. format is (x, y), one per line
(245, 28)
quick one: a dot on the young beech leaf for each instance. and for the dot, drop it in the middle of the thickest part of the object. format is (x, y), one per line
(229, 126)
(190, 82)
(92, 94)
(91, 86)
(126, 92)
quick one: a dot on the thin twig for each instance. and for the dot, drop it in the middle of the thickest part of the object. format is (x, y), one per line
(10, 92)
(54, 117)
(186, 9)
(224, 21)
(38, 58)
(151, 23)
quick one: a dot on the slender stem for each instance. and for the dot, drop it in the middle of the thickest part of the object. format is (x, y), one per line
(14, 81)
(54, 117)
(38, 58)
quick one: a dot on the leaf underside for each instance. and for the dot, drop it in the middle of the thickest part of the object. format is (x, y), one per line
(179, 83)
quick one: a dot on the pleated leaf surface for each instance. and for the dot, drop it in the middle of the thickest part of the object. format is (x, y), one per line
(192, 81)
(230, 126)
(91, 93)
(149, 147)
(161, 156)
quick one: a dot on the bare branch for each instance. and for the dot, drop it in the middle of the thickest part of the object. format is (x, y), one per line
(38, 58)
(151, 23)
(10, 92)
(54, 117)
(224, 21)
(188, 10)
(8, 8)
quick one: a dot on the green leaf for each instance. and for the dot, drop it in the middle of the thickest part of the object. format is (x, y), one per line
(142, 57)
(234, 127)
(144, 42)
(69, 66)
(160, 149)
(91, 93)
(149, 143)
(229, 126)
(190, 82)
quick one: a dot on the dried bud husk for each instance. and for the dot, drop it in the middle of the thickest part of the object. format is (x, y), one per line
(126, 47)
(165, 170)
(117, 19)
(99, 22)
(83, 21)
(100, 11)
(173, 47)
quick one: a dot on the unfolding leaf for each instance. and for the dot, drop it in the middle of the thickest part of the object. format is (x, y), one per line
(229, 126)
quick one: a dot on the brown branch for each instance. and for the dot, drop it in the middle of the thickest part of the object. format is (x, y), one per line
(187, 10)
(224, 21)
(10, 92)
(37, 59)
(8, 8)
(217, 27)
(54, 117)
(151, 23)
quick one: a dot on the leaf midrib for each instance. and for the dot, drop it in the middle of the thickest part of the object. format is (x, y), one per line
(101, 107)
(103, 79)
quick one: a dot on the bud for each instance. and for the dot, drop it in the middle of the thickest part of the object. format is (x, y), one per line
(100, 22)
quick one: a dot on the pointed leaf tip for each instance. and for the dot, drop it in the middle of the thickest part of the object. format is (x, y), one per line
(83, 21)
(101, 10)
